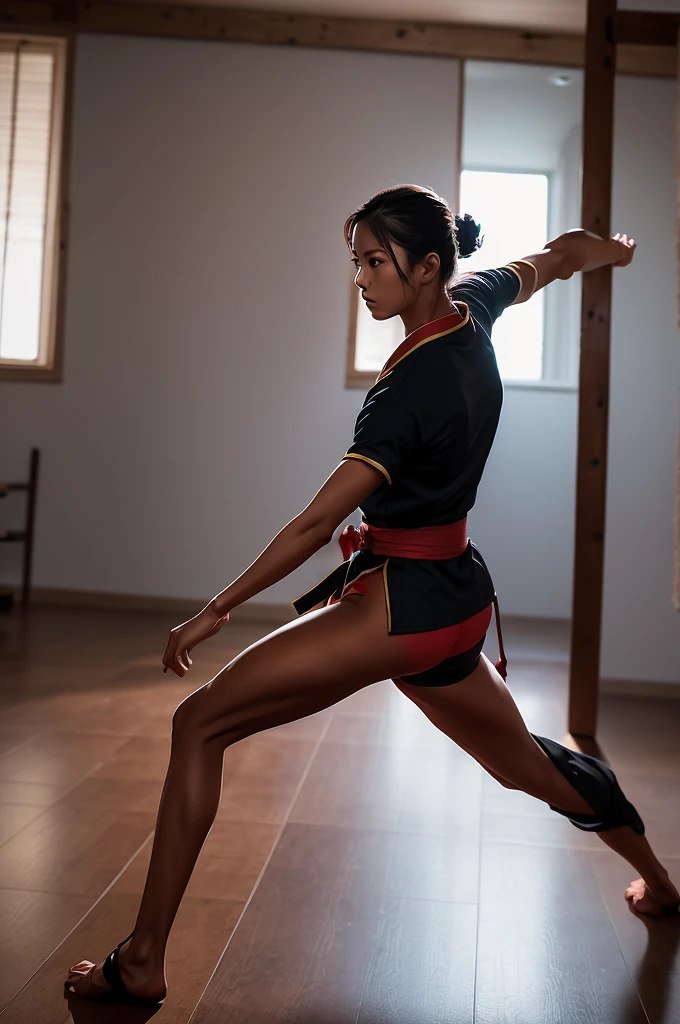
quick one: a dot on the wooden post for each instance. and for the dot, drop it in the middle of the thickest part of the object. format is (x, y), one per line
(591, 477)
(29, 532)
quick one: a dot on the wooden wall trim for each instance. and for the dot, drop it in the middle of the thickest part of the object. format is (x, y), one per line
(640, 688)
(250, 611)
(177, 21)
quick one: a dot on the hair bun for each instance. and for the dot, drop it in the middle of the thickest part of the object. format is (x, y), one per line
(467, 235)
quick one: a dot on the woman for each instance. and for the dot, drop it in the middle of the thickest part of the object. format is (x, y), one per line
(413, 602)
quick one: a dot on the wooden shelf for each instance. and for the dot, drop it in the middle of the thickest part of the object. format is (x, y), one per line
(24, 536)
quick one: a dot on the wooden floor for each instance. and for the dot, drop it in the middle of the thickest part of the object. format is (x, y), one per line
(361, 869)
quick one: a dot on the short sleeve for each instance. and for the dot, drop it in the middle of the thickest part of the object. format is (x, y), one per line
(386, 430)
(488, 292)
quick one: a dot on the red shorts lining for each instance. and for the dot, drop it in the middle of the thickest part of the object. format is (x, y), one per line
(450, 640)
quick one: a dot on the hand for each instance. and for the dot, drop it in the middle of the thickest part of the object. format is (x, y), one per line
(626, 246)
(185, 637)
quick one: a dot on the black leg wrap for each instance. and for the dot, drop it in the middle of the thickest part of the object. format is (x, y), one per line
(597, 784)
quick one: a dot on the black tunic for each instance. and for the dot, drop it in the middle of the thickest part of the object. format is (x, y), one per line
(428, 423)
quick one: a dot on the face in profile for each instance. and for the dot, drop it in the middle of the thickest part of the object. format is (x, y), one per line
(384, 292)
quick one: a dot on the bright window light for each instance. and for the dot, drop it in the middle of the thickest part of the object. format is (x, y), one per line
(375, 339)
(31, 97)
(512, 209)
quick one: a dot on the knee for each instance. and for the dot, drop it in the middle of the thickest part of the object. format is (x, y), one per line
(198, 719)
(189, 718)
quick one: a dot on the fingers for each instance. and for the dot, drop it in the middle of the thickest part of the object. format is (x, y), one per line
(184, 638)
(628, 248)
(173, 660)
(178, 662)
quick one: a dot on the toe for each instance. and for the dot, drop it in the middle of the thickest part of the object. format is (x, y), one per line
(82, 980)
(77, 979)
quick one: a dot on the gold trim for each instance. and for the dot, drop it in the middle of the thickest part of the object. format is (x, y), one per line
(387, 595)
(535, 270)
(432, 337)
(513, 268)
(319, 582)
(365, 572)
(354, 455)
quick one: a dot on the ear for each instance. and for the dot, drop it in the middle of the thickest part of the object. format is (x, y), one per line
(430, 268)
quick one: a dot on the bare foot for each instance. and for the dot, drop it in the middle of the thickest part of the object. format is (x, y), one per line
(655, 901)
(87, 979)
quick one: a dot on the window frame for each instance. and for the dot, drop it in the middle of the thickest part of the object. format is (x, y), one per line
(49, 364)
(355, 378)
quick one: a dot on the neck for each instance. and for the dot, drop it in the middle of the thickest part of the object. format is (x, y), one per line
(426, 308)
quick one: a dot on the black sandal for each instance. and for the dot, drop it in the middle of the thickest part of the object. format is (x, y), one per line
(119, 990)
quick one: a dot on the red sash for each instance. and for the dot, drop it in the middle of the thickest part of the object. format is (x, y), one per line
(430, 542)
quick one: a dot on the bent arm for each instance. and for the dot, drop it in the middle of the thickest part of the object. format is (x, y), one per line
(574, 251)
(345, 489)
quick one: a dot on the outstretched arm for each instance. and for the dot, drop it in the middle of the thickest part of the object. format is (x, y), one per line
(575, 250)
(346, 488)
(344, 491)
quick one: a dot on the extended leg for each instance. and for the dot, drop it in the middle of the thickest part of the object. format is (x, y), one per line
(296, 671)
(480, 715)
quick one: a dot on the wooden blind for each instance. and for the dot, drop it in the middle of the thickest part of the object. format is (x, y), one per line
(27, 78)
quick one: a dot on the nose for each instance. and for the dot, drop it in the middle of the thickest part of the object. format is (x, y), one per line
(360, 280)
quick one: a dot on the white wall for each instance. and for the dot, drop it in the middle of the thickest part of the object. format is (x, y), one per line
(203, 401)
(641, 629)
(515, 119)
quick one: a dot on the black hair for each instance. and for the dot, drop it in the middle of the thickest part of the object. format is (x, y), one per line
(420, 221)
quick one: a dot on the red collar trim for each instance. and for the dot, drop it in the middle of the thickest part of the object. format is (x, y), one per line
(426, 332)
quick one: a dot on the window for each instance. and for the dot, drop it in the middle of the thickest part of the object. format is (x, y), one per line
(536, 341)
(32, 90)
(370, 341)
(512, 209)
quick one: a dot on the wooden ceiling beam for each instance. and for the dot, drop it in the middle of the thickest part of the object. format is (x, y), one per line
(177, 21)
(647, 28)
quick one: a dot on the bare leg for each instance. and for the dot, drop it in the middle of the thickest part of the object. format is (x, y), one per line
(186, 812)
(480, 715)
(296, 671)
